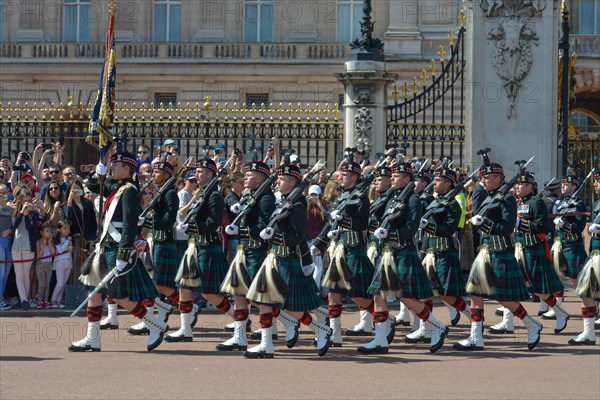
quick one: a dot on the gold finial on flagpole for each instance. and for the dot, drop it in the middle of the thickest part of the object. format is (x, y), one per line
(112, 7)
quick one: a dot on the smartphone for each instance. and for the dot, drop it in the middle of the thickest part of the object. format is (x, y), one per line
(51, 153)
(46, 146)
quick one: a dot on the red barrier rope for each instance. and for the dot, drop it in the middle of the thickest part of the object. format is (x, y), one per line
(33, 259)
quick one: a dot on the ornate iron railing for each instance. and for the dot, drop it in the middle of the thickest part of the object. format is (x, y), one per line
(430, 116)
(313, 131)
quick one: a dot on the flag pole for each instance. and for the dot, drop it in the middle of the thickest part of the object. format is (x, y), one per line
(105, 107)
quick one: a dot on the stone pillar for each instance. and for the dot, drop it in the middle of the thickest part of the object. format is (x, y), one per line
(402, 36)
(365, 102)
(511, 83)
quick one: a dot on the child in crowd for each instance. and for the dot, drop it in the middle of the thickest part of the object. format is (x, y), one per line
(63, 261)
(45, 249)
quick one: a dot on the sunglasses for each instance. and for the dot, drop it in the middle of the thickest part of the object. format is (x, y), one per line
(147, 193)
(142, 152)
(53, 172)
(52, 189)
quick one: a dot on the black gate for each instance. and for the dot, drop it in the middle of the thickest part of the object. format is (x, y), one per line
(430, 115)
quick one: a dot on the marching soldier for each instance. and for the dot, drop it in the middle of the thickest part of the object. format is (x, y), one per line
(302, 293)
(587, 285)
(496, 256)
(204, 253)
(165, 256)
(118, 239)
(533, 253)
(400, 272)
(376, 210)
(441, 261)
(568, 244)
(350, 270)
(250, 255)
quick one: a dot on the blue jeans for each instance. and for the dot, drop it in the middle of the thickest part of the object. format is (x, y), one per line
(5, 255)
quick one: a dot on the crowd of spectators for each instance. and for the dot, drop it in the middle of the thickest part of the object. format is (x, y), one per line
(38, 191)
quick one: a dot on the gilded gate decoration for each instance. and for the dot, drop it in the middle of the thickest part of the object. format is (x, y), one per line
(429, 112)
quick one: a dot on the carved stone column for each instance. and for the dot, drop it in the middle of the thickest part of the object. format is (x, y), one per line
(365, 101)
(511, 82)
(365, 82)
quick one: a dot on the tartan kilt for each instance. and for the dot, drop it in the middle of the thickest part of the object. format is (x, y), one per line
(254, 260)
(412, 275)
(213, 268)
(540, 270)
(166, 262)
(303, 293)
(575, 256)
(135, 285)
(509, 284)
(362, 273)
(451, 280)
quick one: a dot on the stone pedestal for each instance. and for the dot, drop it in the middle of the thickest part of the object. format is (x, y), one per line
(511, 84)
(365, 102)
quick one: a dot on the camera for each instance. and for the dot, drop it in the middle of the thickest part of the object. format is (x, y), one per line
(87, 168)
(24, 156)
(46, 146)
(237, 152)
(20, 167)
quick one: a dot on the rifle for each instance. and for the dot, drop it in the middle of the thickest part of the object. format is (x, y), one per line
(286, 205)
(438, 205)
(163, 189)
(504, 189)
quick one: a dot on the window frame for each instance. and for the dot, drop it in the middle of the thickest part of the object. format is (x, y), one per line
(169, 4)
(259, 21)
(78, 6)
(354, 22)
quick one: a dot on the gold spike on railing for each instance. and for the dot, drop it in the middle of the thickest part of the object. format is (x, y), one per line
(424, 78)
(441, 53)
(432, 68)
(396, 93)
(451, 37)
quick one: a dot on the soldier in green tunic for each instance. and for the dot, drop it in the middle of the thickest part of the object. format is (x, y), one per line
(348, 233)
(165, 256)
(286, 237)
(568, 240)
(252, 247)
(589, 276)
(400, 273)
(533, 253)
(119, 237)
(382, 184)
(496, 257)
(204, 246)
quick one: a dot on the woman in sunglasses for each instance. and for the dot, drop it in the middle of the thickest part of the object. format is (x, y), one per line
(52, 210)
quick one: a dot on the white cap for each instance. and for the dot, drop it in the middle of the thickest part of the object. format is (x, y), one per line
(314, 189)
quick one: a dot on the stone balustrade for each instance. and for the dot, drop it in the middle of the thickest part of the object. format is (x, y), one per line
(200, 51)
(586, 45)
